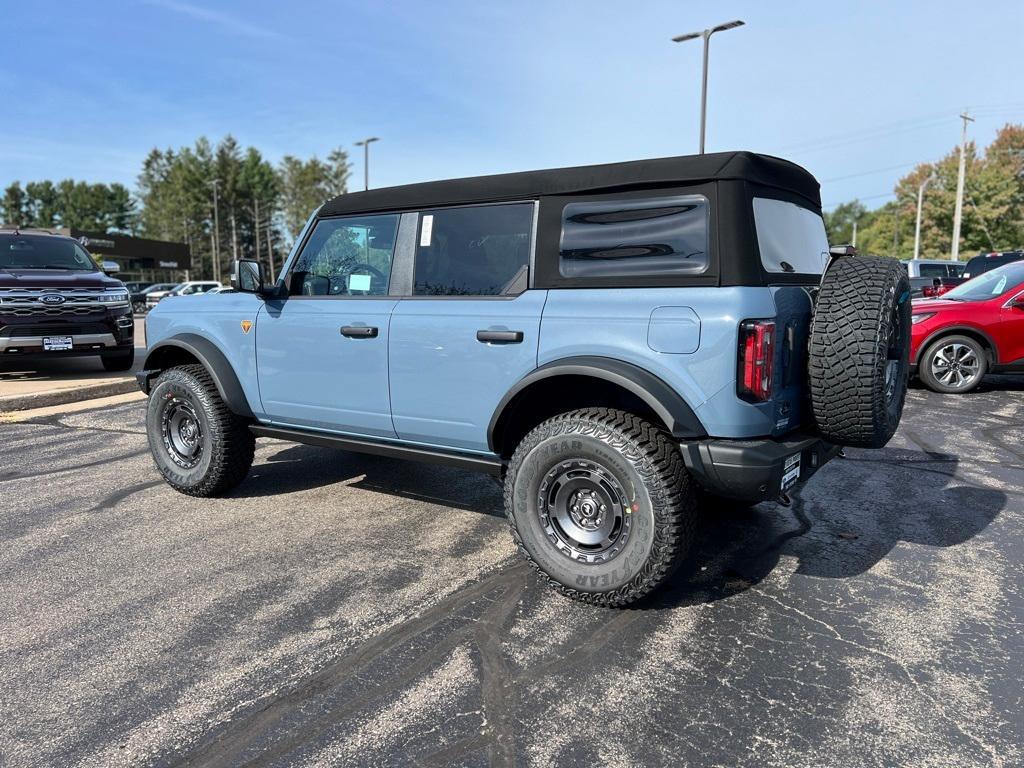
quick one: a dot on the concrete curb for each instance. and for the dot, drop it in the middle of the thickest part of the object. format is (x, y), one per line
(69, 395)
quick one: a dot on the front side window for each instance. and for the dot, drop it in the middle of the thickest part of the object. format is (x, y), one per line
(43, 252)
(474, 251)
(635, 237)
(791, 238)
(346, 257)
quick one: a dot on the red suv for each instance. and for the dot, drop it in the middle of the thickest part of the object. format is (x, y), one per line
(975, 328)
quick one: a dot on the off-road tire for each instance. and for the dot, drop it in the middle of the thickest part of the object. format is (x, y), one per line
(924, 368)
(861, 324)
(121, 362)
(649, 468)
(228, 445)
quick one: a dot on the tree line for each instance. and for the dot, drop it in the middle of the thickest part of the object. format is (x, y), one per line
(993, 207)
(260, 206)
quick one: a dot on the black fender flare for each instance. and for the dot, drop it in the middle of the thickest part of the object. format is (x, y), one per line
(950, 330)
(210, 356)
(665, 401)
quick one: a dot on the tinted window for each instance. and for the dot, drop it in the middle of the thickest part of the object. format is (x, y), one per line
(982, 264)
(43, 252)
(933, 270)
(992, 283)
(791, 238)
(476, 251)
(635, 237)
(346, 257)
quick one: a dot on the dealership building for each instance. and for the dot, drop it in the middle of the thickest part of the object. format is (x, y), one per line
(138, 258)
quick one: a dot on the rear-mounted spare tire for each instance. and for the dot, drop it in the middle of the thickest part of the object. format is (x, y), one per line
(860, 351)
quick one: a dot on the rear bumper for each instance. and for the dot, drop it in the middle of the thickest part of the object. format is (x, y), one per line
(752, 470)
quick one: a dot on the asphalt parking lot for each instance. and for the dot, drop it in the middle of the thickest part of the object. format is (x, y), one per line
(350, 610)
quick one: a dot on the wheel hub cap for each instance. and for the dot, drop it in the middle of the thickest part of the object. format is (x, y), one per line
(181, 432)
(584, 511)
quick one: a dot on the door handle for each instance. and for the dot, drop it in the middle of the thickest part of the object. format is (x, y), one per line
(499, 337)
(359, 331)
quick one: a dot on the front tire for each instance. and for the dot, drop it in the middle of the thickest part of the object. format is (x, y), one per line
(121, 362)
(599, 502)
(953, 365)
(200, 447)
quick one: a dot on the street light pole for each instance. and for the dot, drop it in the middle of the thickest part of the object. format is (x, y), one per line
(365, 144)
(960, 178)
(706, 35)
(917, 226)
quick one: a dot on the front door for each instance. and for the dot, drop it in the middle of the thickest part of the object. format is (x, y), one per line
(469, 332)
(322, 351)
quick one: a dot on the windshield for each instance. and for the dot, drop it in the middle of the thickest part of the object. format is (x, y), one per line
(43, 252)
(791, 238)
(993, 283)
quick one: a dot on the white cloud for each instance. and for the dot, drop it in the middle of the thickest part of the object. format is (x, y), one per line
(218, 18)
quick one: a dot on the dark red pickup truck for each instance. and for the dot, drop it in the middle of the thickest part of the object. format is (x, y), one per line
(56, 301)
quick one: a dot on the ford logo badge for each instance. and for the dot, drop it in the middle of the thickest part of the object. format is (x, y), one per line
(52, 299)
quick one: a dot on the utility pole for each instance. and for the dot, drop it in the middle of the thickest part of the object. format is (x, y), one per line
(958, 214)
(365, 144)
(706, 35)
(917, 226)
(854, 243)
(896, 231)
(234, 236)
(216, 232)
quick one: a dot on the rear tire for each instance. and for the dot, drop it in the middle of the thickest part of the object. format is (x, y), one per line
(599, 503)
(860, 351)
(200, 447)
(953, 365)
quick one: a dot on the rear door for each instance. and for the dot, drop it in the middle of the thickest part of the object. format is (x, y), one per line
(322, 351)
(469, 330)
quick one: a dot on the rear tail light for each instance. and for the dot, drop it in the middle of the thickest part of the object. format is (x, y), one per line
(757, 356)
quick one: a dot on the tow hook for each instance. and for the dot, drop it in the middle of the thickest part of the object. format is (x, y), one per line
(842, 453)
(784, 500)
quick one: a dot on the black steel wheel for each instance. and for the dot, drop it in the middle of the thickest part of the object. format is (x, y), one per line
(599, 502)
(200, 447)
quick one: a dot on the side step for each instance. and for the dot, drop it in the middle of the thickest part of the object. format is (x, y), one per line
(491, 465)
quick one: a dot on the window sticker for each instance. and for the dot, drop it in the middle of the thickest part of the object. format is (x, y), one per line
(1000, 286)
(427, 231)
(359, 282)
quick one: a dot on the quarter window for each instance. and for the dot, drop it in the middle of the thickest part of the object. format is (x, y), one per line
(346, 257)
(648, 237)
(474, 251)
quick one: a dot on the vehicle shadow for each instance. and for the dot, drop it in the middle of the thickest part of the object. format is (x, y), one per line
(295, 468)
(848, 518)
(845, 521)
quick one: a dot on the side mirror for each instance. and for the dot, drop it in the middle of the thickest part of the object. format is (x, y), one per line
(111, 267)
(1017, 302)
(247, 276)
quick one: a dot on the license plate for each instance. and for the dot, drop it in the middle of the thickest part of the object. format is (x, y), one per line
(791, 471)
(56, 343)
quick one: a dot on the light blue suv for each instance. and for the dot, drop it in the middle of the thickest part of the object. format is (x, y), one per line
(616, 342)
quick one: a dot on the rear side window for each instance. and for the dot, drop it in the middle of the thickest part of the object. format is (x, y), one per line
(791, 238)
(635, 237)
(933, 270)
(474, 251)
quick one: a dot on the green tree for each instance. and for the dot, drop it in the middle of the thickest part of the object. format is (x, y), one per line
(840, 220)
(14, 204)
(305, 185)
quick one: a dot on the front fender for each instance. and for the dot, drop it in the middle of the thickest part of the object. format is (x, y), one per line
(167, 351)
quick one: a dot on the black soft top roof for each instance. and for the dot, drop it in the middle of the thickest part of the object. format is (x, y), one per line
(748, 166)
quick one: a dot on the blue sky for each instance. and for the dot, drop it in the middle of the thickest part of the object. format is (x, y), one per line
(858, 92)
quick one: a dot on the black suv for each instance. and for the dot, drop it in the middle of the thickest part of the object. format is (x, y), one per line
(56, 301)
